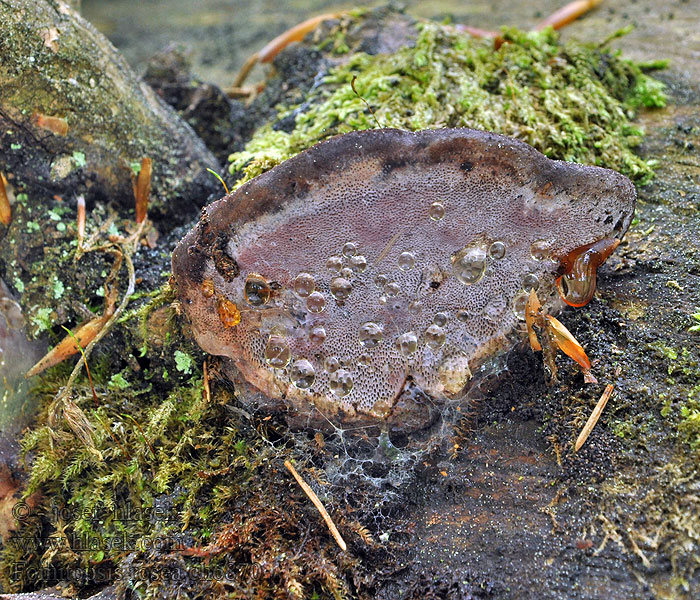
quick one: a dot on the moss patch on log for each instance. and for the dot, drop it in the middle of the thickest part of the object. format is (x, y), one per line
(572, 101)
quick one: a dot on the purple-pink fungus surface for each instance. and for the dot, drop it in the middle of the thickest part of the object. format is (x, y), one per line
(371, 276)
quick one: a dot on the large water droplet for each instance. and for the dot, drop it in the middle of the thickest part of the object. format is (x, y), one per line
(315, 302)
(317, 335)
(256, 290)
(302, 374)
(497, 250)
(358, 263)
(277, 353)
(341, 382)
(406, 261)
(304, 285)
(434, 337)
(407, 343)
(371, 334)
(349, 249)
(469, 264)
(340, 288)
(334, 263)
(437, 211)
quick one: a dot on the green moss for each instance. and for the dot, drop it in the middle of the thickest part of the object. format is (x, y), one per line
(571, 101)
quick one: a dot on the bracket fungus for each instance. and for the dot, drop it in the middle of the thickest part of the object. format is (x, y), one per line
(374, 274)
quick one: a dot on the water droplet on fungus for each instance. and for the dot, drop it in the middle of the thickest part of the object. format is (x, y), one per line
(315, 302)
(304, 285)
(530, 282)
(302, 374)
(540, 249)
(497, 250)
(331, 364)
(350, 249)
(334, 263)
(434, 337)
(407, 343)
(392, 289)
(257, 291)
(406, 261)
(341, 382)
(469, 264)
(229, 314)
(277, 353)
(381, 280)
(358, 263)
(440, 319)
(317, 335)
(370, 334)
(437, 211)
(340, 288)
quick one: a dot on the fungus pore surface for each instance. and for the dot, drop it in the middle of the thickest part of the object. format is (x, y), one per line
(372, 276)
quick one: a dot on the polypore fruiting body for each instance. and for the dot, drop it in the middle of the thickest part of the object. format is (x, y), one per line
(374, 273)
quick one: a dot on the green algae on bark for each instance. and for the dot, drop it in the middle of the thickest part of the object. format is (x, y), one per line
(571, 101)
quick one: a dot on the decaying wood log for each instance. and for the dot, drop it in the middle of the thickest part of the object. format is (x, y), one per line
(74, 116)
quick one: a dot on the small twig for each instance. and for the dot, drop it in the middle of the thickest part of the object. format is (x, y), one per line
(81, 220)
(593, 419)
(205, 379)
(317, 503)
(5, 210)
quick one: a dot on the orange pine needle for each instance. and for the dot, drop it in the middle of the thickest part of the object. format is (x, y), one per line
(593, 419)
(532, 312)
(567, 342)
(142, 190)
(5, 209)
(295, 34)
(67, 346)
(567, 14)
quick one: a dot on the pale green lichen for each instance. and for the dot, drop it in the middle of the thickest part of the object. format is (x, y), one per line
(571, 101)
